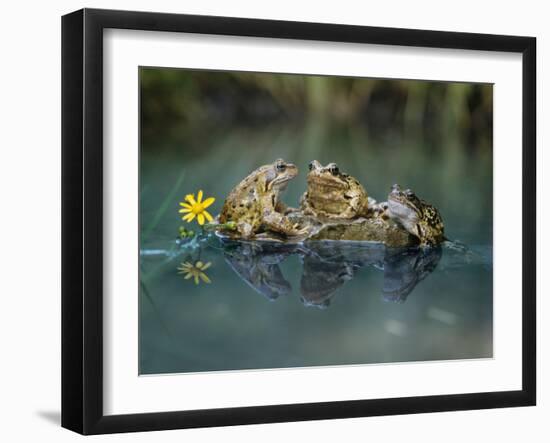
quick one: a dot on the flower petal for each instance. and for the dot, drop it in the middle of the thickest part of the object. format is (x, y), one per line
(189, 217)
(188, 276)
(191, 199)
(200, 218)
(196, 279)
(199, 196)
(207, 215)
(198, 265)
(184, 210)
(204, 277)
(206, 266)
(208, 202)
(185, 205)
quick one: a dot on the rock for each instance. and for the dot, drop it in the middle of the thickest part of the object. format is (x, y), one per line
(373, 229)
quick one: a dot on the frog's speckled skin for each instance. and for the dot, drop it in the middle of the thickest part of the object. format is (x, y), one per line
(332, 194)
(418, 217)
(254, 204)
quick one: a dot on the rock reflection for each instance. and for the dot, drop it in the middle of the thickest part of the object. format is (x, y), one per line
(327, 266)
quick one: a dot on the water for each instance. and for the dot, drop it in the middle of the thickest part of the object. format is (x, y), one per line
(320, 304)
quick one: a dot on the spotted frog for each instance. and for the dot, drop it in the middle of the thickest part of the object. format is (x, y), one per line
(333, 194)
(418, 217)
(254, 205)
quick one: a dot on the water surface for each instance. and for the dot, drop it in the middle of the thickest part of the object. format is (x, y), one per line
(324, 304)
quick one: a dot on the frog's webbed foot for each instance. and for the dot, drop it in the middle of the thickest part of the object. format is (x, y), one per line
(290, 210)
(381, 210)
(284, 209)
(306, 210)
(279, 223)
(245, 229)
(303, 231)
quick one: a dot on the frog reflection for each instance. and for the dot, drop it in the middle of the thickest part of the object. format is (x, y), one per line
(321, 279)
(258, 266)
(405, 268)
(327, 266)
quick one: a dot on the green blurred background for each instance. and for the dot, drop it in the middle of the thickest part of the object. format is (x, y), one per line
(175, 99)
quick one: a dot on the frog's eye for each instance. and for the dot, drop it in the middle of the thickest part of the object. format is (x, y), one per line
(333, 168)
(409, 193)
(310, 166)
(281, 166)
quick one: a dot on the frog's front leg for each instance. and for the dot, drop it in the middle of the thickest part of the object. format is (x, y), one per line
(380, 210)
(284, 209)
(279, 223)
(275, 221)
(355, 208)
(349, 212)
(305, 206)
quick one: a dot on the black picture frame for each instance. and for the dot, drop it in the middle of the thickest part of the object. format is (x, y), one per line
(82, 219)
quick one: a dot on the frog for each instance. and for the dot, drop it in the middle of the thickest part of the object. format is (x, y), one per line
(333, 194)
(418, 217)
(404, 268)
(327, 266)
(254, 205)
(320, 280)
(258, 264)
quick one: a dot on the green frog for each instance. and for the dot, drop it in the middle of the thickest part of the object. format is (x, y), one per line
(254, 205)
(333, 194)
(418, 217)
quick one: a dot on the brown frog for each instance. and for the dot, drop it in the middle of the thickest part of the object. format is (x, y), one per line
(333, 194)
(418, 217)
(254, 205)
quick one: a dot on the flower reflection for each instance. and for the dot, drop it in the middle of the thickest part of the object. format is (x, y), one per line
(195, 270)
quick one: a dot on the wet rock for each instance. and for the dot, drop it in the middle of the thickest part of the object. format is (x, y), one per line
(375, 229)
(372, 229)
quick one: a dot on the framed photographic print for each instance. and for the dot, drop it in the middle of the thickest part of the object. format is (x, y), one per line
(270, 221)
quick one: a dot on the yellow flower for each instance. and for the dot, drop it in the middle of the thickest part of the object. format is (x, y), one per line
(196, 208)
(196, 271)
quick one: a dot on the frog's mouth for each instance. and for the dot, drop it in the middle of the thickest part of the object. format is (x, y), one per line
(281, 182)
(326, 179)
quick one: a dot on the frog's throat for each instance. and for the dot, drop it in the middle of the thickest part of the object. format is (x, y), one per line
(280, 182)
(405, 214)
